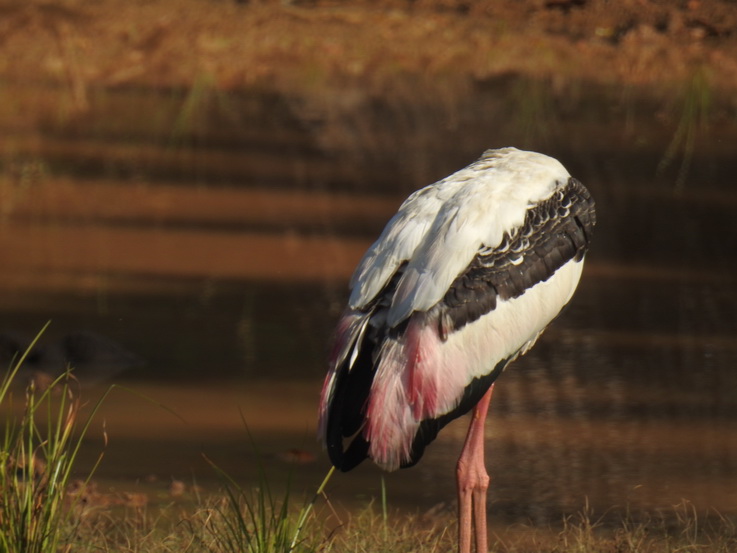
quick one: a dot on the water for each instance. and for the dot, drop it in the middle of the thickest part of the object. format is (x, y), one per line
(214, 246)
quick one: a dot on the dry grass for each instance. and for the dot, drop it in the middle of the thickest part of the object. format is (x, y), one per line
(209, 527)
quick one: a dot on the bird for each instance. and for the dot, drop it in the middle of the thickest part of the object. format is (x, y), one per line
(462, 281)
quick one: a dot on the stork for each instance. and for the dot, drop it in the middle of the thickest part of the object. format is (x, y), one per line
(461, 282)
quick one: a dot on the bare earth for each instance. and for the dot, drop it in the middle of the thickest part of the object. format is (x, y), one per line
(303, 46)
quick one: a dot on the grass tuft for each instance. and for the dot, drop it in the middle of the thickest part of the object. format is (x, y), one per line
(256, 520)
(39, 446)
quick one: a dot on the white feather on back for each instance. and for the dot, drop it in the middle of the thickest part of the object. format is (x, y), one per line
(397, 244)
(440, 228)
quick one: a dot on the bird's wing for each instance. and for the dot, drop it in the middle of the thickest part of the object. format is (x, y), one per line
(396, 245)
(554, 232)
(439, 228)
(498, 306)
(492, 312)
(461, 228)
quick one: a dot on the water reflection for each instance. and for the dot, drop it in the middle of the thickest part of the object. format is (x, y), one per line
(221, 259)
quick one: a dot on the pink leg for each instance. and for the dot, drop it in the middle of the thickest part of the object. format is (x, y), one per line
(473, 481)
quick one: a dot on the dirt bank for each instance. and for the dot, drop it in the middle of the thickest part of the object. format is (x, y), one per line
(302, 46)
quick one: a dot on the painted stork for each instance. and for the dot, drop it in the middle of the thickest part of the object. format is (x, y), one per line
(462, 281)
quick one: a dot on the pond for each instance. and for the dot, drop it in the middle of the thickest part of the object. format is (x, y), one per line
(199, 257)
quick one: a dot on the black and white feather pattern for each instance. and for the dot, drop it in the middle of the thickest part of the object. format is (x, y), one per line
(555, 231)
(463, 280)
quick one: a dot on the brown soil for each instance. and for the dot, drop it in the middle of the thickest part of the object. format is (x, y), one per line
(301, 46)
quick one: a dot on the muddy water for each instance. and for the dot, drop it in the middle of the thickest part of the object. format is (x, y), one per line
(210, 257)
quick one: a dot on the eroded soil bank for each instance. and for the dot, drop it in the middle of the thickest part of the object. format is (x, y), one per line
(367, 82)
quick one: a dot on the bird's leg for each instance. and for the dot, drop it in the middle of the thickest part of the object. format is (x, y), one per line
(473, 481)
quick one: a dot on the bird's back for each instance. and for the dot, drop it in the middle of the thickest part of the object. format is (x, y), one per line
(462, 280)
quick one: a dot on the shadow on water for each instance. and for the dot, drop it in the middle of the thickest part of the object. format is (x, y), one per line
(211, 236)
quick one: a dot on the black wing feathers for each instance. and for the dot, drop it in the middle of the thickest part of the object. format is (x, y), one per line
(554, 232)
(348, 407)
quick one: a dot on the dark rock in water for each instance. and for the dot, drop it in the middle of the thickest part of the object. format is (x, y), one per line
(93, 358)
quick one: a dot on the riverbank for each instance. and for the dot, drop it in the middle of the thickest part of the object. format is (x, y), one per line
(363, 83)
(305, 46)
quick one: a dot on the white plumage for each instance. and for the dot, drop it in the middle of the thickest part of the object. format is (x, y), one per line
(462, 280)
(441, 227)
